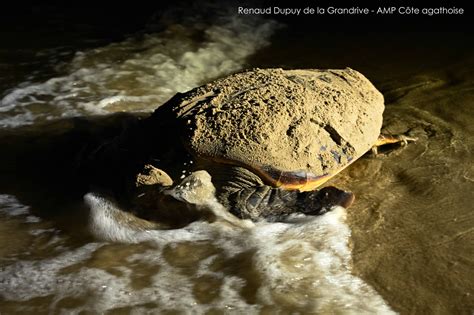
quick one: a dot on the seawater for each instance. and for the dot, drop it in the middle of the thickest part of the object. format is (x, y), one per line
(227, 266)
(299, 265)
(142, 71)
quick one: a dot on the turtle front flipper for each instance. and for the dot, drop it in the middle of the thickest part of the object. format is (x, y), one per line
(391, 139)
(273, 204)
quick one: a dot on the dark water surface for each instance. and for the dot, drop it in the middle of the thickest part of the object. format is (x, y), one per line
(408, 244)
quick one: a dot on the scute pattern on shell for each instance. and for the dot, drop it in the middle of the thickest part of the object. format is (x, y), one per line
(292, 120)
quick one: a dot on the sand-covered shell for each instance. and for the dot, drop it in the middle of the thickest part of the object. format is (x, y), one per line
(285, 121)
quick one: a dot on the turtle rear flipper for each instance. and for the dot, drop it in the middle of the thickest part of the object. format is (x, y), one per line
(384, 140)
(274, 203)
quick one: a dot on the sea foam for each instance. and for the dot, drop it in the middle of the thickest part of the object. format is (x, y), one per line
(143, 71)
(299, 265)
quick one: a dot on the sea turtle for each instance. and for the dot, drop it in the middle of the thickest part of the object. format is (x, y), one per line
(268, 137)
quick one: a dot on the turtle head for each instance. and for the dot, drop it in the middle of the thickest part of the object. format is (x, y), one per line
(323, 200)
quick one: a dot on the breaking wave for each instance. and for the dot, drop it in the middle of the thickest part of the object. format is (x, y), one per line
(144, 70)
(299, 265)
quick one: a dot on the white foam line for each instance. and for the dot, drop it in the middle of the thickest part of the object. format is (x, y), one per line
(11, 206)
(322, 258)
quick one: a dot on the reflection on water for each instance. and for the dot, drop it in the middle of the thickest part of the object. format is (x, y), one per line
(410, 230)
